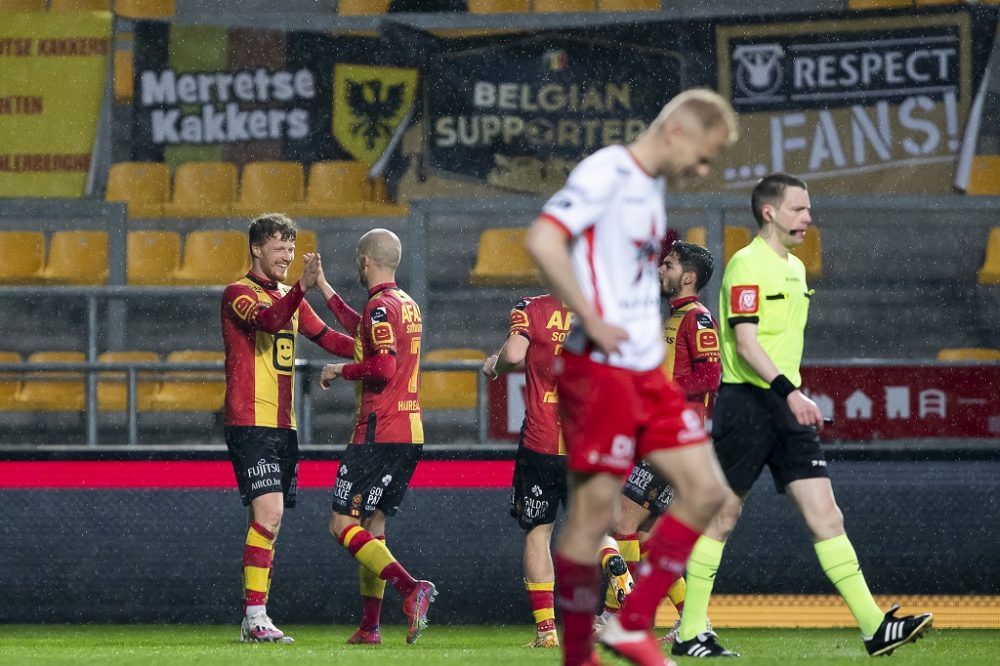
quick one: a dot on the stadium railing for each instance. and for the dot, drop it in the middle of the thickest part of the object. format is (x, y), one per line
(307, 371)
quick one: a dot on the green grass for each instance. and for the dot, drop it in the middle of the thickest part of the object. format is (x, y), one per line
(496, 646)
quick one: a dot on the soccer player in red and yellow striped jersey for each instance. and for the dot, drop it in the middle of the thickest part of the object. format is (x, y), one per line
(261, 318)
(376, 468)
(692, 362)
(538, 328)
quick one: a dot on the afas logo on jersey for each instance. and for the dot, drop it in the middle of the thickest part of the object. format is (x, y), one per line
(744, 299)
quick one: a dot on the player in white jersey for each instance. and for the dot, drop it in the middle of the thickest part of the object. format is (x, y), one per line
(598, 241)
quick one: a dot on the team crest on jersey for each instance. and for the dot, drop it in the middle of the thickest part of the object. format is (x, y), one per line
(744, 299)
(519, 318)
(244, 306)
(647, 252)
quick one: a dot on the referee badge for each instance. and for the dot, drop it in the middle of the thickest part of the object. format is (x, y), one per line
(744, 299)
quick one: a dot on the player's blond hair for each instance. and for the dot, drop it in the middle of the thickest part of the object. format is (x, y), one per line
(707, 107)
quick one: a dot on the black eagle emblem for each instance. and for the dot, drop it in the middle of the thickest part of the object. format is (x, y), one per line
(368, 103)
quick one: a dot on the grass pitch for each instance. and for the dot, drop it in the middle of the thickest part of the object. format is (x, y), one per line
(147, 645)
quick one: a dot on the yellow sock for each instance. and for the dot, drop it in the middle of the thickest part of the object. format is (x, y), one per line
(840, 564)
(701, 569)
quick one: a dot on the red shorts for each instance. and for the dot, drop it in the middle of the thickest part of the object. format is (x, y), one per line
(612, 417)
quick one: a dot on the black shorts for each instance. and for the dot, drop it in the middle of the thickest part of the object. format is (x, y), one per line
(266, 460)
(538, 488)
(751, 427)
(648, 489)
(374, 476)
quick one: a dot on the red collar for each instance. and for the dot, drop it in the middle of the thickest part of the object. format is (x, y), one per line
(678, 303)
(381, 287)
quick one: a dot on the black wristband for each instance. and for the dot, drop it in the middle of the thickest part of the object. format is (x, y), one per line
(782, 385)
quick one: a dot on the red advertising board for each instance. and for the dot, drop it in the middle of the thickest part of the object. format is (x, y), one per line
(866, 402)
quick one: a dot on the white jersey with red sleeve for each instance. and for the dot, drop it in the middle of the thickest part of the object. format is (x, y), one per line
(615, 213)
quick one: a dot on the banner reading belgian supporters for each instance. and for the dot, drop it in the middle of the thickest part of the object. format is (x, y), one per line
(52, 76)
(520, 115)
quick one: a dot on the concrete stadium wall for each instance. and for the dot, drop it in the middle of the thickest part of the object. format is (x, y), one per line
(174, 555)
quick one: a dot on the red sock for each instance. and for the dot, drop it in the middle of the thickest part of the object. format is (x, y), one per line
(371, 613)
(578, 588)
(670, 545)
(399, 578)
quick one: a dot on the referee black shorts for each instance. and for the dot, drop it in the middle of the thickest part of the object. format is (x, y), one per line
(753, 427)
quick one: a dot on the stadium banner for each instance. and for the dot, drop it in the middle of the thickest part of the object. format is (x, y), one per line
(250, 94)
(869, 105)
(520, 114)
(53, 69)
(866, 403)
(861, 106)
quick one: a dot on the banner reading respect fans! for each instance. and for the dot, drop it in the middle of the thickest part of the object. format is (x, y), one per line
(861, 105)
(52, 76)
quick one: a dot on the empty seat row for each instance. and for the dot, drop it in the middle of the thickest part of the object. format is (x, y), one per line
(501, 259)
(375, 7)
(209, 189)
(154, 258)
(127, 8)
(178, 391)
(183, 391)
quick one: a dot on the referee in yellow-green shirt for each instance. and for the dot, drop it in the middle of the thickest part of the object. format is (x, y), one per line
(762, 418)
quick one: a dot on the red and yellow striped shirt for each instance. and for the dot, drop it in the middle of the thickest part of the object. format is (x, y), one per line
(260, 320)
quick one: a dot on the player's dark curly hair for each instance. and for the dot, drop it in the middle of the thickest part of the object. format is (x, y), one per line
(695, 259)
(265, 226)
(771, 190)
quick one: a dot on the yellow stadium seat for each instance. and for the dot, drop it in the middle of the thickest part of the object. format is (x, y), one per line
(10, 382)
(811, 253)
(878, 4)
(499, 6)
(79, 5)
(734, 238)
(984, 177)
(123, 74)
(112, 385)
(629, 5)
(336, 189)
(305, 241)
(194, 391)
(270, 186)
(213, 257)
(444, 389)
(545, 6)
(502, 260)
(968, 354)
(362, 7)
(144, 186)
(989, 272)
(22, 256)
(153, 257)
(380, 205)
(77, 257)
(58, 391)
(145, 8)
(13, 6)
(202, 189)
